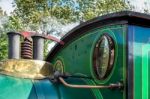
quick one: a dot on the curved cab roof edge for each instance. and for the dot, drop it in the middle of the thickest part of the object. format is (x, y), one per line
(128, 17)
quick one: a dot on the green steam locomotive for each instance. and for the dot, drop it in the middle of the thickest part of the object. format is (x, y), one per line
(104, 58)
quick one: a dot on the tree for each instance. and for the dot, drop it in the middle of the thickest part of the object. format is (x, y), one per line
(65, 11)
(51, 15)
(3, 47)
(3, 36)
(89, 9)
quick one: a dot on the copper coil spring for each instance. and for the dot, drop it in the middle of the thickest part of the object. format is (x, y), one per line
(26, 49)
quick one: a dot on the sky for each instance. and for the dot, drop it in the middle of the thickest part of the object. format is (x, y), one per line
(139, 5)
(7, 6)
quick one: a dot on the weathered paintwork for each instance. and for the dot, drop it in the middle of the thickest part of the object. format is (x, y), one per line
(76, 58)
(26, 68)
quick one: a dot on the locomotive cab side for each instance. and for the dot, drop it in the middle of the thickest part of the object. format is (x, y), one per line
(103, 58)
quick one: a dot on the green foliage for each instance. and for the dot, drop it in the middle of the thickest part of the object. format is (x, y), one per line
(3, 46)
(29, 15)
(89, 9)
(32, 11)
(3, 36)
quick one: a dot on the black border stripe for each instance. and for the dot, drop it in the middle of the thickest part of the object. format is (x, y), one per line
(130, 81)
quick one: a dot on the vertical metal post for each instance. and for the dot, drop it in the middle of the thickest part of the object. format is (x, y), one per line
(14, 45)
(38, 47)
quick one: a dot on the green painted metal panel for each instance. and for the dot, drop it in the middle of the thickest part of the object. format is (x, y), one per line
(45, 89)
(145, 69)
(137, 72)
(13, 88)
(19, 88)
(141, 57)
(77, 57)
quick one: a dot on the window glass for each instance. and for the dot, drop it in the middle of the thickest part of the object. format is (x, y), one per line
(103, 57)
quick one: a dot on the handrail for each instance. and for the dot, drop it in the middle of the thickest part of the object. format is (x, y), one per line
(111, 86)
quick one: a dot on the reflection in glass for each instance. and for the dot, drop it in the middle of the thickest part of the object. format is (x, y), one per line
(103, 56)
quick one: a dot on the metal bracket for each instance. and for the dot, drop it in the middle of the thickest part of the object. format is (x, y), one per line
(49, 37)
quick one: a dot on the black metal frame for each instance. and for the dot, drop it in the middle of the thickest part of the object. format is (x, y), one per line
(110, 66)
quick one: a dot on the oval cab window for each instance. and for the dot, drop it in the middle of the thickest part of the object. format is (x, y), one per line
(103, 57)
